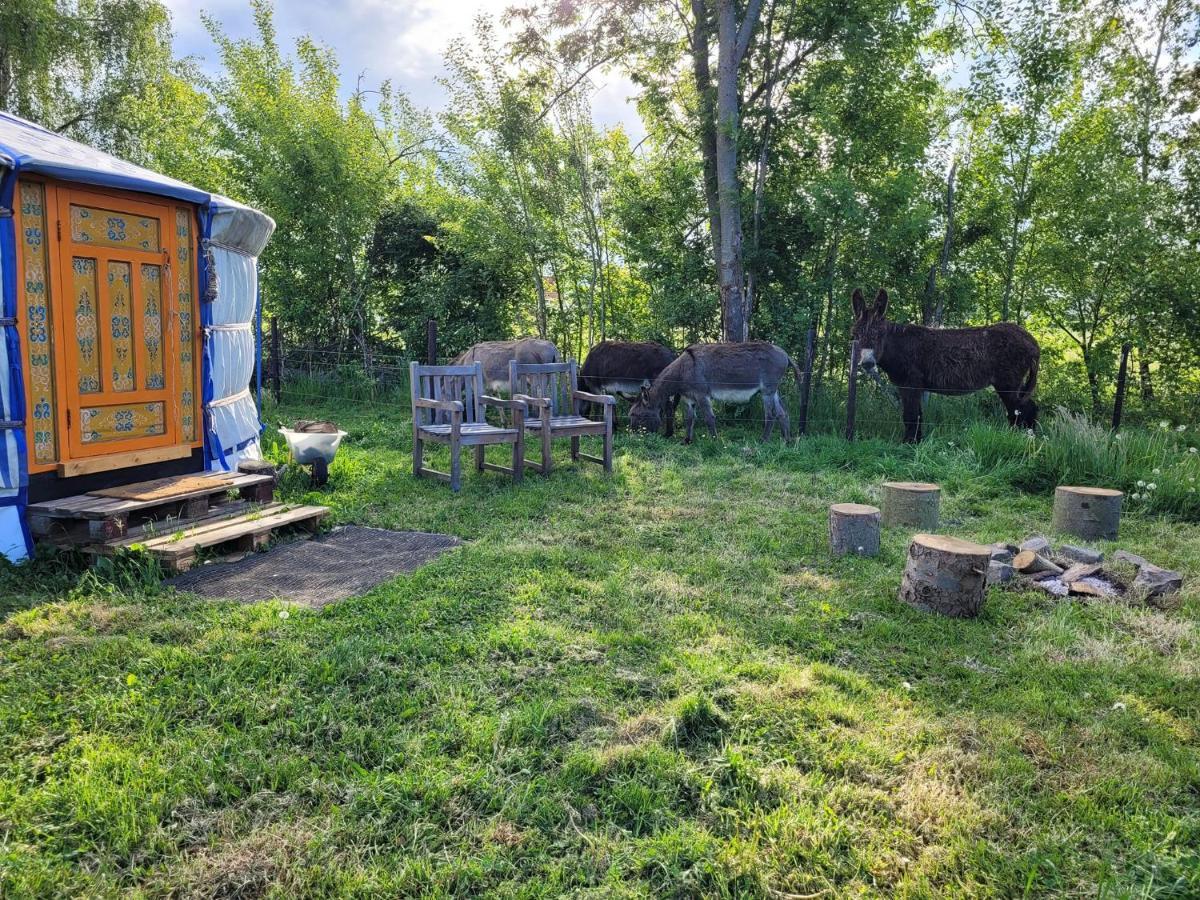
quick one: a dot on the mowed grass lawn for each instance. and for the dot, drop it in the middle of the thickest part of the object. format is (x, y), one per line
(657, 684)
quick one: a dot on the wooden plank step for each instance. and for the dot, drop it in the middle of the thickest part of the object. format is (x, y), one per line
(69, 533)
(251, 531)
(90, 506)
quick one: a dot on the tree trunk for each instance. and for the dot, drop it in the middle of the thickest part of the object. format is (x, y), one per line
(933, 310)
(708, 122)
(1144, 377)
(729, 194)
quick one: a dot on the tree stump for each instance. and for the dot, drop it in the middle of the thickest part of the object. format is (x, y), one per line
(945, 575)
(914, 503)
(1088, 512)
(854, 529)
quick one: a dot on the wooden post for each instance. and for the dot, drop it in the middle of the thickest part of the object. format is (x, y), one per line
(1088, 512)
(945, 575)
(1122, 372)
(276, 360)
(810, 347)
(853, 529)
(431, 342)
(914, 503)
(852, 392)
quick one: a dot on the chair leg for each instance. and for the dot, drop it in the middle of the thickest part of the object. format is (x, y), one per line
(608, 444)
(575, 449)
(479, 457)
(518, 459)
(455, 466)
(418, 455)
(546, 456)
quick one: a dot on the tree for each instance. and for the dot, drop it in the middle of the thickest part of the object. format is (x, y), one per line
(72, 66)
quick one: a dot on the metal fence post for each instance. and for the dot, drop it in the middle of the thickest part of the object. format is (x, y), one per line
(431, 342)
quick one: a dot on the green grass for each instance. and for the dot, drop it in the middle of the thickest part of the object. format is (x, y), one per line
(657, 684)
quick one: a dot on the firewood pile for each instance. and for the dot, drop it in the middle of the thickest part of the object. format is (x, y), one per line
(1067, 570)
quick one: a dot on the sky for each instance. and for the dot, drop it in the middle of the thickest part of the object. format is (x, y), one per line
(400, 40)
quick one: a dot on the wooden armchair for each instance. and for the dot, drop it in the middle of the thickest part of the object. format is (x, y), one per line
(551, 393)
(448, 406)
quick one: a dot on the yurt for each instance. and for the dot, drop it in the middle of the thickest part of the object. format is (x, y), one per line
(131, 325)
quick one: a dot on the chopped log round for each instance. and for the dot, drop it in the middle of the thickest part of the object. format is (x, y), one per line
(945, 575)
(1089, 512)
(914, 503)
(853, 529)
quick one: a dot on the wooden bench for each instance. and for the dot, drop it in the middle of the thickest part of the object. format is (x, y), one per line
(448, 407)
(552, 390)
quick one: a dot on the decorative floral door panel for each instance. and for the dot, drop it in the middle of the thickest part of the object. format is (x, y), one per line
(115, 260)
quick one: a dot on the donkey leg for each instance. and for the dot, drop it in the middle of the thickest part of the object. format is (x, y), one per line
(768, 402)
(1008, 396)
(689, 420)
(669, 415)
(785, 424)
(710, 418)
(910, 409)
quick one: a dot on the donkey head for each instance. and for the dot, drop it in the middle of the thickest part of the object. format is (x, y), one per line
(870, 328)
(645, 415)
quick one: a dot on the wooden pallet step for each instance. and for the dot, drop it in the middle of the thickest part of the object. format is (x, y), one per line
(250, 531)
(91, 506)
(76, 533)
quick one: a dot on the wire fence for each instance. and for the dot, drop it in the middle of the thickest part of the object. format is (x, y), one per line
(320, 382)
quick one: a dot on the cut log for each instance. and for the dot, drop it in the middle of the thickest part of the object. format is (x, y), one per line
(945, 575)
(1030, 563)
(911, 503)
(1090, 587)
(1080, 571)
(853, 529)
(1091, 513)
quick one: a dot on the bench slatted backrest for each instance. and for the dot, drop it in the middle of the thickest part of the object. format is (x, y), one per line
(554, 381)
(462, 383)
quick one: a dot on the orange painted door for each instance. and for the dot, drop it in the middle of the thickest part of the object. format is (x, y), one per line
(117, 324)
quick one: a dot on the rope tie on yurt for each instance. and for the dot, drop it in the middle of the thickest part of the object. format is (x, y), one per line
(231, 399)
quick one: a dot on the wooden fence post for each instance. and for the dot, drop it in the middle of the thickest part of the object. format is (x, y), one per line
(431, 342)
(810, 347)
(276, 360)
(1122, 372)
(852, 392)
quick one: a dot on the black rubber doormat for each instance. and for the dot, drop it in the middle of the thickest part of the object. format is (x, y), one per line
(344, 563)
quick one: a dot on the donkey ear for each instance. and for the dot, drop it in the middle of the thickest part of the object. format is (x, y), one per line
(856, 300)
(881, 303)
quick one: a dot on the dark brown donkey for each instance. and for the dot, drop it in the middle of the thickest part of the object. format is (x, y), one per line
(625, 367)
(732, 373)
(948, 361)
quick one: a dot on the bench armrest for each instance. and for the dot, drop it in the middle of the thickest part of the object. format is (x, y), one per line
(606, 399)
(448, 405)
(538, 402)
(503, 404)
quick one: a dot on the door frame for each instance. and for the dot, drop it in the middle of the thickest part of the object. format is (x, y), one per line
(58, 196)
